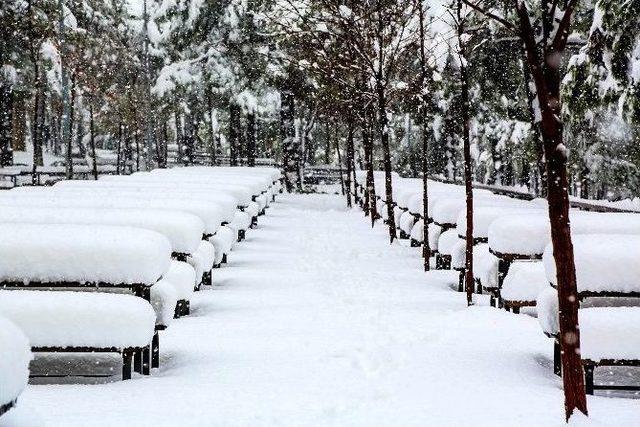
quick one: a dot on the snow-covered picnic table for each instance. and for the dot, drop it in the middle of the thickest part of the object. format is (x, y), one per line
(43, 266)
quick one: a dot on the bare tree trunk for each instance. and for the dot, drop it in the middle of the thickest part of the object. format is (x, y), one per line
(6, 123)
(251, 139)
(234, 133)
(350, 162)
(468, 166)
(37, 131)
(383, 128)
(367, 142)
(546, 76)
(290, 146)
(179, 135)
(342, 186)
(212, 131)
(119, 148)
(92, 143)
(426, 247)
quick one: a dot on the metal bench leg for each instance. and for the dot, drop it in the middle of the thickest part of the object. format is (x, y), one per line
(461, 281)
(137, 361)
(155, 351)
(146, 360)
(186, 308)
(127, 355)
(557, 358)
(588, 379)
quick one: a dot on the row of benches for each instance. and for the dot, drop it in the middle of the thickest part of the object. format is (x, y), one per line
(103, 266)
(513, 261)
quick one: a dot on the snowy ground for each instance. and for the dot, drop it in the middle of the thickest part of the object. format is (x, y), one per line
(317, 321)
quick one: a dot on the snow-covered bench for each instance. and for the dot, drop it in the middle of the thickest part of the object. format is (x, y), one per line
(523, 284)
(209, 212)
(15, 356)
(48, 258)
(523, 237)
(608, 281)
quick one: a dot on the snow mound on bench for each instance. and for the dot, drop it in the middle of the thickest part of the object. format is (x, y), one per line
(485, 266)
(459, 255)
(164, 297)
(80, 319)
(529, 234)
(15, 355)
(483, 216)
(241, 221)
(448, 241)
(524, 282)
(82, 253)
(223, 241)
(209, 212)
(605, 332)
(604, 262)
(407, 220)
(225, 201)
(183, 277)
(183, 230)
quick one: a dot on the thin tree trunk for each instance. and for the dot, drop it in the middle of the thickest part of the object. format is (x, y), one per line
(290, 147)
(92, 144)
(468, 166)
(6, 123)
(546, 76)
(342, 186)
(383, 129)
(426, 247)
(119, 149)
(37, 133)
(212, 130)
(179, 137)
(367, 142)
(251, 139)
(350, 155)
(234, 133)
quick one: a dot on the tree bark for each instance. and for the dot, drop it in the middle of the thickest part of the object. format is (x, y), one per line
(546, 76)
(37, 131)
(290, 146)
(251, 139)
(426, 134)
(367, 142)
(6, 123)
(92, 144)
(234, 133)
(468, 166)
(383, 128)
(350, 161)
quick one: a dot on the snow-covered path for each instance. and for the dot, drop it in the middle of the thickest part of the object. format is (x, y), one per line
(318, 321)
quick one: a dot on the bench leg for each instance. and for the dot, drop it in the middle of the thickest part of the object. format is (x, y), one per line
(146, 360)
(492, 300)
(242, 234)
(557, 358)
(461, 281)
(186, 308)
(588, 379)
(254, 222)
(478, 286)
(224, 259)
(516, 310)
(127, 355)
(206, 278)
(155, 351)
(137, 361)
